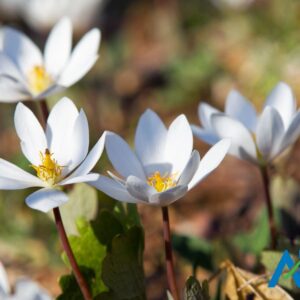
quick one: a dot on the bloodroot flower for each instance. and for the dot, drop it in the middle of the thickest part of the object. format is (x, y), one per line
(163, 166)
(24, 289)
(59, 156)
(256, 138)
(26, 74)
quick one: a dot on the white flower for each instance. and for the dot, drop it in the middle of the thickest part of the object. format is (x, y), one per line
(24, 289)
(58, 156)
(26, 74)
(258, 139)
(232, 4)
(42, 15)
(163, 167)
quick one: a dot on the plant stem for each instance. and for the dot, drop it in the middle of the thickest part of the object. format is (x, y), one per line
(45, 110)
(65, 243)
(272, 226)
(62, 233)
(168, 252)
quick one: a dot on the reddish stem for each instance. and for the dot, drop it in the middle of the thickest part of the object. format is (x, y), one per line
(65, 243)
(169, 255)
(272, 225)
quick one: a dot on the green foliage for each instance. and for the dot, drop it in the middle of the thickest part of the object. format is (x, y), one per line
(89, 253)
(123, 266)
(195, 291)
(110, 251)
(106, 227)
(188, 76)
(196, 250)
(257, 239)
(70, 288)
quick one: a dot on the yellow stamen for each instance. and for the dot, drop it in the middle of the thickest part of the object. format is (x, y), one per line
(39, 79)
(161, 183)
(48, 170)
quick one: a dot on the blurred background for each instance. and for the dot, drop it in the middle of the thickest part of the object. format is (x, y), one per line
(167, 55)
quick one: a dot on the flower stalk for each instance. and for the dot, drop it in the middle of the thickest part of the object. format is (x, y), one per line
(272, 225)
(62, 232)
(168, 253)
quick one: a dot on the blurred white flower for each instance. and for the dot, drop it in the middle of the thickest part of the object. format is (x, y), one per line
(258, 139)
(59, 155)
(24, 289)
(43, 14)
(163, 167)
(26, 74)
(232, 4)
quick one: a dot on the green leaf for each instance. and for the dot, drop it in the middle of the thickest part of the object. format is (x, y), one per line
(105, 296)
(106, 227)
(69, 286)
(123, 266)
(127, 214)
(194, 291)
(259, 234)
(89, 253)
(112, 248)
(196, 250)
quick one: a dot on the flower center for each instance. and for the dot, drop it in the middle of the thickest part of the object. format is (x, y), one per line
(48, 170)
(161, 183)
(39, 79)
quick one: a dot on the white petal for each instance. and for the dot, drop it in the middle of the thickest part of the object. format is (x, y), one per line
(139, 189)
(122, 158)
(26, 289)
(169, 196)
(58, 46)
(91, 160)
(282, 99)
(190, 169)
(210, 161)
(8, 68)
(113, 189)
(116, 178)
(240, 108)
(269, 132)
(13, 184)
(205, 111)
(150, 139)
(84, 178)
(51, 90)
(4, 285)
(12, 91)
(292, 133)
(82, 58)
(80, 140)
(60, 125)
(21, 50)
(179, 144)
(46, 199)
(242, 144)
(205, 135)
(13, 177)
(30, 133)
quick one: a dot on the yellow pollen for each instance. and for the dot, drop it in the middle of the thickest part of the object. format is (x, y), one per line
(39, 79)
(161, 183)
(48, 170)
